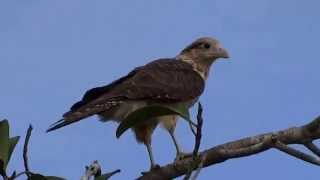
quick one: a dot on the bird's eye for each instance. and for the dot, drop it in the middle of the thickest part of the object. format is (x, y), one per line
(206, 45)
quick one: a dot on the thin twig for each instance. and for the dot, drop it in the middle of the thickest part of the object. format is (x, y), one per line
(296, 153)
(13, 175)
(109, 175)
(198, 136)
(22, 173)
(313, 148)
(25, 150)
(199, 131)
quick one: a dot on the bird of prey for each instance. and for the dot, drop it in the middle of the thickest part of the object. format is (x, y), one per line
(167, 81)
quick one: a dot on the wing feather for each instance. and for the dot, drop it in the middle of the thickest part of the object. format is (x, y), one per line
(161, 81)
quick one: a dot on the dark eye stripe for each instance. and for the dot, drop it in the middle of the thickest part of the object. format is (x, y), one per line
(196, 45)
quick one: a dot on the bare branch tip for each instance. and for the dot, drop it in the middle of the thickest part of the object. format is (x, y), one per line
(25, 150)
(313, 148)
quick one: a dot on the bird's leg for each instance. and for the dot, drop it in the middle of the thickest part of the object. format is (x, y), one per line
(143, 134)
(153, 165)
(176, 144)
(169, 123)
(180, 154)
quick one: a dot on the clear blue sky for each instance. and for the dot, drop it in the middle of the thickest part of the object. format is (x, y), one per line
(52, 51)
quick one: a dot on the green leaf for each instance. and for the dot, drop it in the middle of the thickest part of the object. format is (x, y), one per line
(12, 144)
(141, 115)
(4, 143)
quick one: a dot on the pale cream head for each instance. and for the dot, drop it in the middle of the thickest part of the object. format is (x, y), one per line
(202, 53)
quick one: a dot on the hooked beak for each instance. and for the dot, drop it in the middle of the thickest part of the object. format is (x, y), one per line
(222, 53)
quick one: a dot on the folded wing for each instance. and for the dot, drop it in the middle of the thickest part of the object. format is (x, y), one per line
(161, 81)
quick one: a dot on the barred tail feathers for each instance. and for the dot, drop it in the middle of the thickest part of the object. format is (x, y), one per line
(75, 116)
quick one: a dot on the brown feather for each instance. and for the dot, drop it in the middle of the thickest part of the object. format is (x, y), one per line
(161, 81)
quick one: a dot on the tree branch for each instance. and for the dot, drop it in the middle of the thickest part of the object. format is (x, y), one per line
(313, 148)
(199, 131)
(245, 147)
(109, 175)
(25, 150)
(198, 136)
(296, 153)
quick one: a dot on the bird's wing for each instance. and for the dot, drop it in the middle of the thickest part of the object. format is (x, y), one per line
(163, 81)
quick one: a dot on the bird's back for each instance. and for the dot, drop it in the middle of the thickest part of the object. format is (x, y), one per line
(161, 81)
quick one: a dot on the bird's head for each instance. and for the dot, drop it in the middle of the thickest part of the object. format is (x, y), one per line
(202, 53)
(205, 49)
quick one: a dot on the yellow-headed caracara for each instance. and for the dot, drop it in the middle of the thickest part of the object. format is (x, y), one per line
(163, 81)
